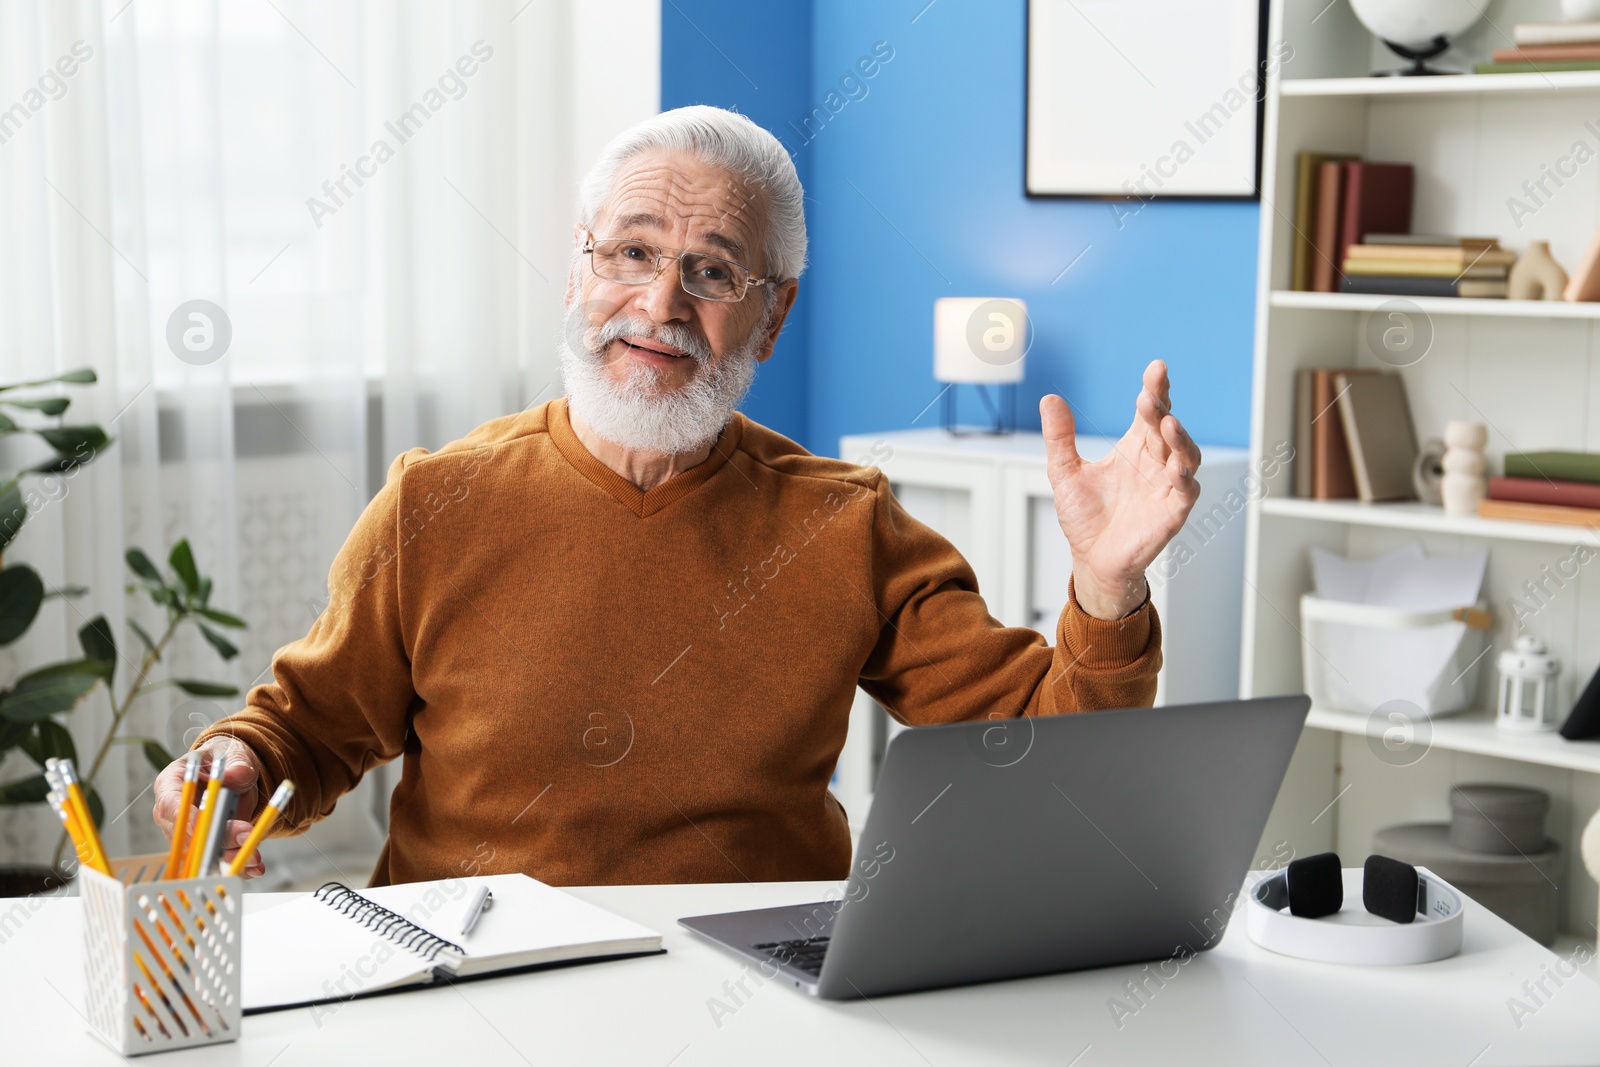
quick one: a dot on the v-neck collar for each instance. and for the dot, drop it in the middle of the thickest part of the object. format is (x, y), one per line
(641, 503)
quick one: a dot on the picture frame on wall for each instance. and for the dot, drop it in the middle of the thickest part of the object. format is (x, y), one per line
(1145, 99)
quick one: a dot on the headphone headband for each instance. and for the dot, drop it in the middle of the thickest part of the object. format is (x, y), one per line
(1434, 936)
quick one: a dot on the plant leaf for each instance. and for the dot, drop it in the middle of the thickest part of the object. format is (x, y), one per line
(51, 690)
(7, 424)
(48, 405)
(149, 642)
(143, 567)
(65, 591)
(222, 618)
(21, 593)
(182, 561)
(13, 734)
(81, 376)
(63, 463)
(155, 753)
(74, 440)
(13, 510)
(49, 739)
(99, 644)
(196, 688)
(223, 646)
(24, 790)
(205, 591)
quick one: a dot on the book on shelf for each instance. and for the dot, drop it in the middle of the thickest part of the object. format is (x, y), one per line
(1483, 288)
(1555, 465)
(1541, 53)
(1545, 491)
(1526, 34)
(1549, 66)
(1554, 513)
(1488, 254)
(1436, 240)
(1379, 434)
(1303, 413)
(1329, 454)
(1376, 198)
(1308, 169)
(1325, 255)
(1399, 285)
(1421, 268)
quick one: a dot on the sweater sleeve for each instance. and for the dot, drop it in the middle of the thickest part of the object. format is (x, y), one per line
(941, 657)
(341, 696)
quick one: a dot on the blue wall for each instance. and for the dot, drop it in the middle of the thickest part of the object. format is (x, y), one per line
(915, 192)
(755, 59)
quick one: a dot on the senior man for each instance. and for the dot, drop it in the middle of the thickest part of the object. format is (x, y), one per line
(615, 638)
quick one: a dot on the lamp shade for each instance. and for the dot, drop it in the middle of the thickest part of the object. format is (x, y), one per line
(979, 340)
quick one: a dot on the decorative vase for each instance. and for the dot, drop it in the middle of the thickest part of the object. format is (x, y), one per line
(1464, 483)
(1536, 275)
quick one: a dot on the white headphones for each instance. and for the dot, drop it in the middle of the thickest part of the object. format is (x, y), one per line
(1416, 914)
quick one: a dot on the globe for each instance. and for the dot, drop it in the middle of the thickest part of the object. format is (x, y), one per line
(1415, 23)
(1417, 29)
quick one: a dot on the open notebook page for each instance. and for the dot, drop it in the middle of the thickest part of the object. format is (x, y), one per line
(305, 951)
(529, 923)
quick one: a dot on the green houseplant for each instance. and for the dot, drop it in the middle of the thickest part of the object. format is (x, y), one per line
(31, 704)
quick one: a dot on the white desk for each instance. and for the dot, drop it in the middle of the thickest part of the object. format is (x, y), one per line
(1236, 1004)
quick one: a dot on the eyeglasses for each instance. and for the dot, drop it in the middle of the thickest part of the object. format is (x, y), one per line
(629, 262)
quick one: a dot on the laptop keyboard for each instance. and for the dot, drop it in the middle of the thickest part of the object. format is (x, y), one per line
(805, 953)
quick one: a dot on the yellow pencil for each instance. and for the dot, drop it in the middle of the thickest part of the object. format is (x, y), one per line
(79, 806)
(202, 823)
(147, 1007)
(263, 824)
(180, 825)
(69, 823)
(162, 993)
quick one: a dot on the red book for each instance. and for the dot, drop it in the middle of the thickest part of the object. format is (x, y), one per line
(1377, 199)
(1540, 491)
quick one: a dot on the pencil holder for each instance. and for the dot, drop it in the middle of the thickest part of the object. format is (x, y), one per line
(161, 958)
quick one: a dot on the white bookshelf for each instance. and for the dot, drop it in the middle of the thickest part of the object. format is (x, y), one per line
(1530, 370)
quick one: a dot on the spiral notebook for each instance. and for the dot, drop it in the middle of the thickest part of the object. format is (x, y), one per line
(339, 943)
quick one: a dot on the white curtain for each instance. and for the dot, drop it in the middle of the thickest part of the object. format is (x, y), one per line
(379, 198)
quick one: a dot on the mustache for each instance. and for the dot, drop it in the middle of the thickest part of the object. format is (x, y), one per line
(626, 327)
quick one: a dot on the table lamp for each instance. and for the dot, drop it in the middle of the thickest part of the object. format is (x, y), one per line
(980, 341)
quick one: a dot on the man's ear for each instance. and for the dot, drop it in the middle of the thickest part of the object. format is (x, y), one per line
(786, 294)
(578, 232)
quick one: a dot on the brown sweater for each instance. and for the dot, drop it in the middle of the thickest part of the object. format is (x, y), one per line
(594, 684)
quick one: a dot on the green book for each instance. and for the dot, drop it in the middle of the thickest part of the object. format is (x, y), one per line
(1555, 466)
(1543, 67)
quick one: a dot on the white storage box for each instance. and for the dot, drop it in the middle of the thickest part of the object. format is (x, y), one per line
(161, 960)
(1357, 657)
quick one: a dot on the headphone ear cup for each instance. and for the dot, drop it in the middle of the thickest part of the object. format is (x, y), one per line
(1389, 889)
(1316, 886)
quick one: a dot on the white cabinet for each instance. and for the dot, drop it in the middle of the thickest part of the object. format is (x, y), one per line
(990, 496)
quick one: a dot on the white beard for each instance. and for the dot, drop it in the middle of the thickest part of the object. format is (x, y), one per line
(637, 413)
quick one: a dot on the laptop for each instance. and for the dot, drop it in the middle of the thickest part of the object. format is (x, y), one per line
(1010, 847)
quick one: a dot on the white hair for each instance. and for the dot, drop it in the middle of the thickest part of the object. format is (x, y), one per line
(724, 139)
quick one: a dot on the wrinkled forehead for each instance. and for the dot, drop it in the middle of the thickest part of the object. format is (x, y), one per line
(684, 202)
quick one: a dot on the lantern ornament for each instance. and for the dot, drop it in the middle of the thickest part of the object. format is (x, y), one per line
(1527, 686)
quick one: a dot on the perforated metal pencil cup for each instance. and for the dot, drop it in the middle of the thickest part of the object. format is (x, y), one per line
(161, 959)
